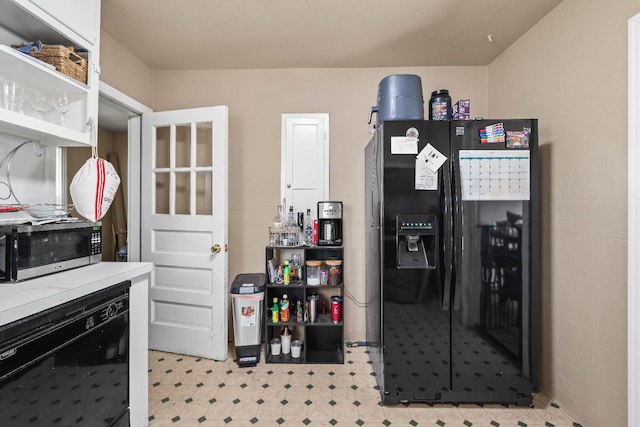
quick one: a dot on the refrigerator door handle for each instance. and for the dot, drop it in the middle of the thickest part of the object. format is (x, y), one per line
(447, 236)
(458, 243)
(375, 185)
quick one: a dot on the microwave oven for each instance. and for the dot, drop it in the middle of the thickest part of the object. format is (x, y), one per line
(28, 251)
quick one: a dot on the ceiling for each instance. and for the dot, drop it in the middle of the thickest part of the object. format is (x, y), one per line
(246, 34)
(260, 34)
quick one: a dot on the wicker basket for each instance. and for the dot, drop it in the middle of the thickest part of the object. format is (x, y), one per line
(65, 59)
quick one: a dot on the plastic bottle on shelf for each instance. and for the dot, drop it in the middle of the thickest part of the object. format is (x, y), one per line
(286, 273)
(285, 311)
(275, 311)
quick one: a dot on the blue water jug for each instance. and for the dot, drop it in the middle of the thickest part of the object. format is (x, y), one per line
(399, 98)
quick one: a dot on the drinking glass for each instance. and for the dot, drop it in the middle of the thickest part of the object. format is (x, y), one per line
(12, 95)
(296, 259)
(62, 103)
(40, 102)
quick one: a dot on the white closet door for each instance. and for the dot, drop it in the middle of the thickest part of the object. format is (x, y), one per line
(305, 160)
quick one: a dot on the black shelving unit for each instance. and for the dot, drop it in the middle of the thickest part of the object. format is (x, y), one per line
(323, 340)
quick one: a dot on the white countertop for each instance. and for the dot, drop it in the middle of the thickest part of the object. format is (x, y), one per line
(21, 299)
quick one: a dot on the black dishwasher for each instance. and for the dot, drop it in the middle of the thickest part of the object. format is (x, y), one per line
(69, 365)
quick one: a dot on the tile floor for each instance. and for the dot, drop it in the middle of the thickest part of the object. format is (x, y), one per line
(190, 391)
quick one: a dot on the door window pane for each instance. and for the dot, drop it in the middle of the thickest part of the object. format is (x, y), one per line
(162, 193)
(183, 145)
(163, 146)
(204, 144)
(204, 193)
(183, 192)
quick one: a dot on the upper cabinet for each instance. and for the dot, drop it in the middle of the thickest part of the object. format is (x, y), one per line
(54, 101)
(81, 17)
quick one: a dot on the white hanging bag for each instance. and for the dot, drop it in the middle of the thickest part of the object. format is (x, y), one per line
(94, 187)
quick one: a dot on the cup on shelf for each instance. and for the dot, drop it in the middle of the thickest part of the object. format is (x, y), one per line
(296, 348)
(275, 347)
(12, 95)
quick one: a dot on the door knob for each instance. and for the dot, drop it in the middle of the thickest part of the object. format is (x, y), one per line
(215, 249)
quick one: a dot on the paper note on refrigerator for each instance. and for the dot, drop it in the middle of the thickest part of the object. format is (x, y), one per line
(495, 174)
(426, 179)
(432, 157)
(404, 145)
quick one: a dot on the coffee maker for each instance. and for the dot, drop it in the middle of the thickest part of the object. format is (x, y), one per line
(329, 223)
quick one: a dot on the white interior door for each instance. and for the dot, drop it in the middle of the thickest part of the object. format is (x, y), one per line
(305, 161)
(184, 229)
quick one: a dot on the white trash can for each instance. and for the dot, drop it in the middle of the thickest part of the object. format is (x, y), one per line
(247, 293)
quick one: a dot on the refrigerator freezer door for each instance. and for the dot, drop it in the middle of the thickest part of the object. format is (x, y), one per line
(415, 326)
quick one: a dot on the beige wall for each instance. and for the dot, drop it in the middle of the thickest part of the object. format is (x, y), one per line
(125, 72)
(256, 100)
(570, 71)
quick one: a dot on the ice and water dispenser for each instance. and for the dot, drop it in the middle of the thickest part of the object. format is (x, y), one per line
(416, 241)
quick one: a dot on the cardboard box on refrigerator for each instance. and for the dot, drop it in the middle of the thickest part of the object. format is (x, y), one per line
(462, 110)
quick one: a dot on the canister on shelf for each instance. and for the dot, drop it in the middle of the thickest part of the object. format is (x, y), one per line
(313, 272)
(313, 307)
(335, 272)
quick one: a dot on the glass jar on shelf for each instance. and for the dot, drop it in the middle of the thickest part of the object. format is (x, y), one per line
(313, 272)
(335, 272)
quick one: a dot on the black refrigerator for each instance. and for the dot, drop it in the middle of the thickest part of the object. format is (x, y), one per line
(452, 260)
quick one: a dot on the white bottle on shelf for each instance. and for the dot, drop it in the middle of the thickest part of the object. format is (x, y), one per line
(308, 228)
